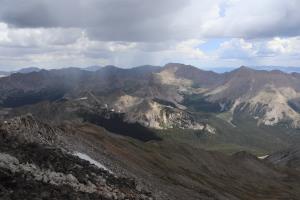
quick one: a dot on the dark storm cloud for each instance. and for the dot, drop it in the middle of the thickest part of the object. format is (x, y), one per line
(158, 20)
(125, 20)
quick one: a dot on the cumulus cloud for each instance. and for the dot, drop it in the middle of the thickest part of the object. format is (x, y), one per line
(29, 37)
(285, 45)
(190, 48)
(277, 51)
(256, 19)
(237, 49)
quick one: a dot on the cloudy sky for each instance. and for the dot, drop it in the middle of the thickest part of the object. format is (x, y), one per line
(127, 33)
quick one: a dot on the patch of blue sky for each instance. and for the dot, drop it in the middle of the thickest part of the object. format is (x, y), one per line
(212, 44)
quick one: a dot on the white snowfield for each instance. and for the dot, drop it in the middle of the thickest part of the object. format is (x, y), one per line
(92, 161)
(82, 98)
(263, 157)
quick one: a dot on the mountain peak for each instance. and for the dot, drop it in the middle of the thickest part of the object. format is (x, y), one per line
(93, 68)
(244, 68)
(109, 68)
(29, 70)
(178, 65)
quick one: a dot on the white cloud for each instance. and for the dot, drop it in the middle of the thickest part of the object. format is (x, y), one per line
(190, 49)
(121, 46)
(284, 45)
(4, 37)
(37, 37)
(237, 49)
(256, 19)
(270, 51)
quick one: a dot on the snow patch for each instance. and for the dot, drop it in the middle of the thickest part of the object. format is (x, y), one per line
(82, 98)
(90, 160)
(263, 157)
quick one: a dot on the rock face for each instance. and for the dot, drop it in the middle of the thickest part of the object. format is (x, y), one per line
(158, 116)
(33, 166)
(264, 95)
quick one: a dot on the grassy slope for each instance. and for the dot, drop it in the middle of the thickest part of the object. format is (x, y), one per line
(185, 172)
(243, 134)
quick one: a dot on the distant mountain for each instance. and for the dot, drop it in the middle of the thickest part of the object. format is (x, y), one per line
(93, 68)
(270, 97)
(28, 70)
(97, 67)
(22, 71)
(265, 95)
(284, 69)
(4, 73)
(267, 68)
(221, 70)
(223, 107)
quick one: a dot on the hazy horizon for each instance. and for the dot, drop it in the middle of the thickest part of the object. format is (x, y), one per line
(219, 69)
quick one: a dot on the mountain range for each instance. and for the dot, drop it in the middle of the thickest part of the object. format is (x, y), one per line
(22, 71)
(269, 97)
(178, 131)
(216, 69)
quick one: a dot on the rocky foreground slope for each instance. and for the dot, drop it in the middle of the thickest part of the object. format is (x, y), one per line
(36, 162)
(32, 166)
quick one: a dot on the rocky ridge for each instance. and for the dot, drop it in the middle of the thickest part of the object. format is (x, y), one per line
(33, 165)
